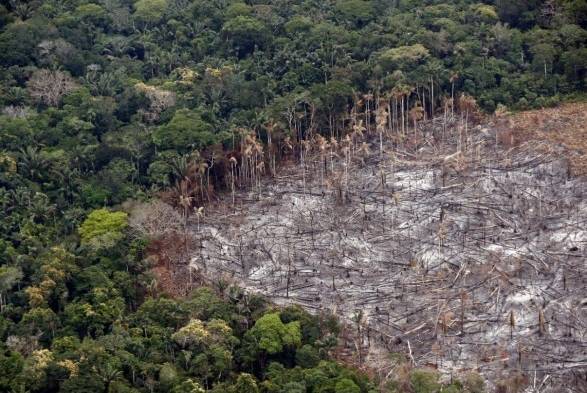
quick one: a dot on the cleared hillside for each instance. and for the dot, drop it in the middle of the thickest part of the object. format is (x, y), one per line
(465, 253)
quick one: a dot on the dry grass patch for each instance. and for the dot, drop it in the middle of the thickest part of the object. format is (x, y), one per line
(563, 127)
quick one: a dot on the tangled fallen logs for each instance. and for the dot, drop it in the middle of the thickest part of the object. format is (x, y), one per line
(473, 254)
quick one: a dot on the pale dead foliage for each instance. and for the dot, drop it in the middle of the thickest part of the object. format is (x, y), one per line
(48, 86)
(55, 51)
(155, 219)
(16, 112)
(160, 100)
(563, 126)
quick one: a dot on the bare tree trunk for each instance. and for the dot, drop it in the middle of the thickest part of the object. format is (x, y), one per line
(432, 97)
(402, 113)
(452, 99)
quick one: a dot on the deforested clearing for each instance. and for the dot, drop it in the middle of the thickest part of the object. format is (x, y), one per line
(467, 253)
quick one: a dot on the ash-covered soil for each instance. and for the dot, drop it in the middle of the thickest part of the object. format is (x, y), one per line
(460, 255)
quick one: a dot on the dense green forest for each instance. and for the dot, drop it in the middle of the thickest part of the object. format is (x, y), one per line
(106, 101)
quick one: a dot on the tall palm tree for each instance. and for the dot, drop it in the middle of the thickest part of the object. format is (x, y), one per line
(258, 163)
(322, 144)
(368, 99)
(233, 163)
(358, 131)
(199, 211)
(180, 167)
(32, 163)
(260, 169)
(270, 128)
(333, 147)
(468, 105)
(403, 92)
(109, 373)
(381, 117)
(453, 78)
(40, 208)
(201, 168)
(416, 114)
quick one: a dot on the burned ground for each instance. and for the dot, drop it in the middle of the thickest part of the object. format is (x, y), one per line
(464, 254)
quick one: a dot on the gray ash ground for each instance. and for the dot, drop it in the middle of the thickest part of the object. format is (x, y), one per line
(468, 261)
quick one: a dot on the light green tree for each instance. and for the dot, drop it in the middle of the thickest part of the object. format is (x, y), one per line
(103, 228)
(245, 383)
(150, 11)
(403, 57)
(9, 277)
(188, 386)
(346, 385)
(245, 33)
(357, 11)
(273, 335)
(424, 381)
(186, 131)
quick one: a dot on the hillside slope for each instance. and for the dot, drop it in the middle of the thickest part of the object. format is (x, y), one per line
(123, 122)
